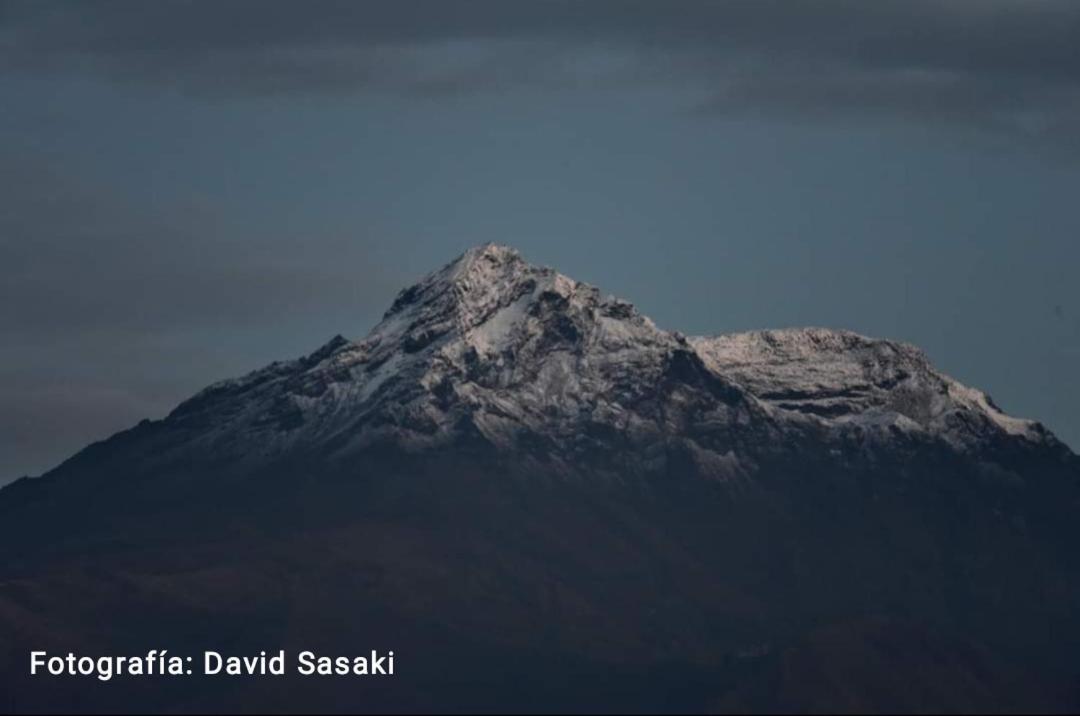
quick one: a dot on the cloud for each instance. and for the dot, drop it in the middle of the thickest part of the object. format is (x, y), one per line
(1002, 65)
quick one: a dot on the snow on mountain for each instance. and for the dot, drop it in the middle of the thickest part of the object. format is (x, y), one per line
(489, 348)
(849, 383)
(494, 349)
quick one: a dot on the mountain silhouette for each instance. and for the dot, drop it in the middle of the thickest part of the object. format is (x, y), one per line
(540, 500)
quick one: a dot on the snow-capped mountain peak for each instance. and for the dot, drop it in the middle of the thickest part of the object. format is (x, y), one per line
(491, 348)
(464, 297)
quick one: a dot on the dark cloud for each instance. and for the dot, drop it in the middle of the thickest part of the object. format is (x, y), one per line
(1002, 65)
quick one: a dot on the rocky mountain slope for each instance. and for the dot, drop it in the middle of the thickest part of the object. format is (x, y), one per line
(538, 497)
(493, 349)
(527, 360)
(855, 384)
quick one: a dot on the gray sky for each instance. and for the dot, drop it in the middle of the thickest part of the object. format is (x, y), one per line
(192, 189)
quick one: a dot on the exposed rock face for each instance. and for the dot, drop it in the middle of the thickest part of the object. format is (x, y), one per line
(522, 358)
(851, 384)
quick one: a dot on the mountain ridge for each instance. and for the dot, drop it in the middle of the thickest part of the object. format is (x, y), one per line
(535, 495)
(492, 348)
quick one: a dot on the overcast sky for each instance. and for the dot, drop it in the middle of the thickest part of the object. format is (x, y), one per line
(193, 189)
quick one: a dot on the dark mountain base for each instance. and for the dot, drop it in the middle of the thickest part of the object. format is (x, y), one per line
(922, 587)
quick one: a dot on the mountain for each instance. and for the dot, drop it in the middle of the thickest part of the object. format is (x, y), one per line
(541, 500)
(493, 350)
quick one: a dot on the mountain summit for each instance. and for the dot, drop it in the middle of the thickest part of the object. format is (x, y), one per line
(493, 350)
(533, 494)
